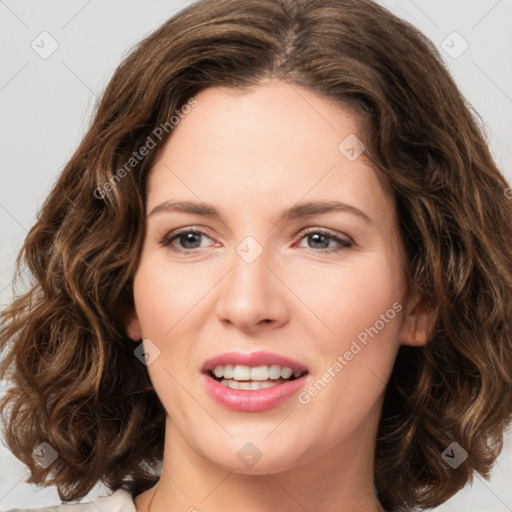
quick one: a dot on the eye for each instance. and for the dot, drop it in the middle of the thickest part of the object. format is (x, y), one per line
(321, 239)
(187, 238)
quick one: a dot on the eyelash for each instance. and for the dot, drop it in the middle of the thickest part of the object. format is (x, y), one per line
(344, 243)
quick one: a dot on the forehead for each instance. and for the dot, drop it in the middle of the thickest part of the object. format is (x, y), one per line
(271, 145)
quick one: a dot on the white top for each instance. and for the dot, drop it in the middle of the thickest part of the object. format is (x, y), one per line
(120, 501)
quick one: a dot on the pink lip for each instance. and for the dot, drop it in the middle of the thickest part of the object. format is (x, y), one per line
(252, 359)
(253, 400)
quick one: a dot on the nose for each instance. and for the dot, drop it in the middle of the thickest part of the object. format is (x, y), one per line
(252, 297)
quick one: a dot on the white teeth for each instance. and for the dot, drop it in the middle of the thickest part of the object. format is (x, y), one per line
(253, 385)
(241, 372)
(274, 372)
(228, 371)
(233, 384)
(259, 373)
(286, 372)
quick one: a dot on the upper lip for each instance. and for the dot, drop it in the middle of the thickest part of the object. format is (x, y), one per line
(259, 358)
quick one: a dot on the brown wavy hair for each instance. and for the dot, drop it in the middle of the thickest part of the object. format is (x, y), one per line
(76, 383)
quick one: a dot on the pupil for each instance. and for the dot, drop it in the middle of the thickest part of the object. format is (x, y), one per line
(189, 238)
(315, 237)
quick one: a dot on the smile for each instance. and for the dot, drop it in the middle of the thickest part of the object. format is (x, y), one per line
(252, 382)
(257, 377)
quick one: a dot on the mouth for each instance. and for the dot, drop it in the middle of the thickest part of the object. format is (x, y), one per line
(253, 382)
(253, 378)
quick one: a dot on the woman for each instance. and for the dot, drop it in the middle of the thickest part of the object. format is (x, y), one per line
(279, 265)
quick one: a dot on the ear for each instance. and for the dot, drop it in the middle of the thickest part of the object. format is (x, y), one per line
(418, 322)
(132, 324)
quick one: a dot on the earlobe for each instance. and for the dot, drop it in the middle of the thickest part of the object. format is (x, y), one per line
(133, 329)
(418, 322)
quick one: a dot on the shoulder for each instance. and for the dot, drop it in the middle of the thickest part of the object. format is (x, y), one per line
(119, 501)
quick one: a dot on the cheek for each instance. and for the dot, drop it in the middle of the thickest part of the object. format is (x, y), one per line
(348, 299)
(166, 293)
(357, 341)
(173, 301)
(361, 305)
(166, 299)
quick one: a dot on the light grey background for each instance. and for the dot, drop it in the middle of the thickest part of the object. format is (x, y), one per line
(46, 104)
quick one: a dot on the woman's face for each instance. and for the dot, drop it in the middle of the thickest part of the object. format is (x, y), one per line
(293, 251)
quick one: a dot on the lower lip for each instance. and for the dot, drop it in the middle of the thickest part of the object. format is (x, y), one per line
(252, 400)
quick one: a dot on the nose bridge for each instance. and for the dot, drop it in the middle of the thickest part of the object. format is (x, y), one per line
(251, 293)
(250, 272)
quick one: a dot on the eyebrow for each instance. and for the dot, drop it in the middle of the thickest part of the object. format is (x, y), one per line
(299, 210)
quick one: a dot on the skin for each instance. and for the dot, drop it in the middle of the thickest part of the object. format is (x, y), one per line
(252, 155)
